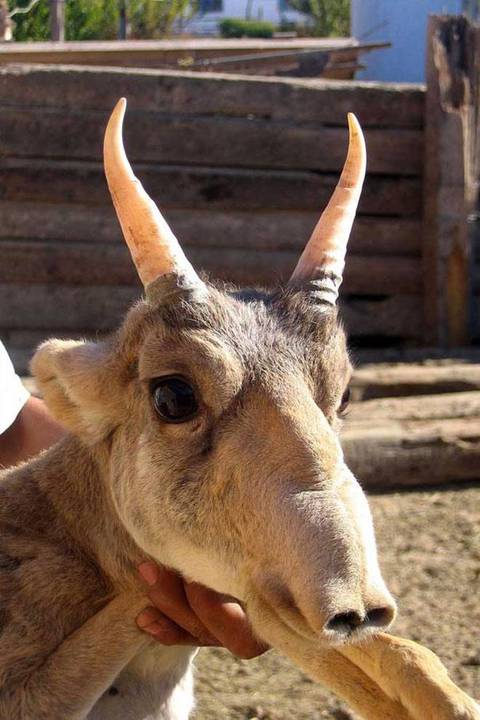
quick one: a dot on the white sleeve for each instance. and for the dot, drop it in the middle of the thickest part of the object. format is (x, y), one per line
(13, 395)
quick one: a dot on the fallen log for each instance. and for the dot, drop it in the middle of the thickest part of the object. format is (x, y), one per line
(406, 453)
(377, 381)
(459, 405)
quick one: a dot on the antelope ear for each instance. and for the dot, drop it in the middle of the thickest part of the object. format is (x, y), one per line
(323, 259)
(75, 380)
(154, 248)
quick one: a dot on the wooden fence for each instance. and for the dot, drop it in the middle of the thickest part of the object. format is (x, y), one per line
(242, 168)
(337, 58)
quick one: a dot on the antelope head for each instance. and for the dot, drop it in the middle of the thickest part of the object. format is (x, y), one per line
(220, 411)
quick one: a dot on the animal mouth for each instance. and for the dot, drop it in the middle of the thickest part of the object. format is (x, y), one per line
(341, 630)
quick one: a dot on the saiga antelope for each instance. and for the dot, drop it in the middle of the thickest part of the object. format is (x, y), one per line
(203, 435)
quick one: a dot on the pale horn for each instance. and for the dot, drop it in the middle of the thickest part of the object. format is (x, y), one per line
(323, 258)
(154, 248)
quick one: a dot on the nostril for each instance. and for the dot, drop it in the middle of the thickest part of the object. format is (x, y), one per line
(345, 622)
(379, 617)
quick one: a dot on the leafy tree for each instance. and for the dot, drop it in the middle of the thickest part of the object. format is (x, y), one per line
(33, 25)
(91, 19)
(155, 18)
(329, 17)
(99, 19)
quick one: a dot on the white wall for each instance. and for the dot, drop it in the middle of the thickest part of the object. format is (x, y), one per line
(259, 10)
(404, 24)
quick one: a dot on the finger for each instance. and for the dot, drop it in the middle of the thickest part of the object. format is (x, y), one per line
(162, 629)
(166, 592)
(226, 620)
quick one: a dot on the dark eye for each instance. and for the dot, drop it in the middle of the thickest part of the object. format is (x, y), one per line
(174, 399)
(345, 401)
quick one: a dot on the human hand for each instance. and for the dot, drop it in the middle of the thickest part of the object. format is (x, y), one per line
(184, 613)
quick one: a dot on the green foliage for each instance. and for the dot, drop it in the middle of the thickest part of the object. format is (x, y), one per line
(155, 18)
(91, 20)
(100, 19)
(236, 28)
(330, 18)
(33, 25)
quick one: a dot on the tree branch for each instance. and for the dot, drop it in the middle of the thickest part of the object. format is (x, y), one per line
(22, 11)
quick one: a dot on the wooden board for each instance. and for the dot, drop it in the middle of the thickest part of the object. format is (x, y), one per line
(416, 440)
(25, 262)
(278, 230)
(413, 408)
(242, 168)
(177, 186)
(398, 455)
(235, 142)
(292, 100)
(379, 381)
(451, 182)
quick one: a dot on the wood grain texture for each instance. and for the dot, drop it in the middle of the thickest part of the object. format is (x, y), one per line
(451, 180)
(187, 186)
(25, 262)
(235, 142)
(379, 381)
(279, 230)
(409, 453)
(242, 168)
(294, 100)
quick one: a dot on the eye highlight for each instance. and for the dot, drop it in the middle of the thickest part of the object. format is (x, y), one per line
(174, 399)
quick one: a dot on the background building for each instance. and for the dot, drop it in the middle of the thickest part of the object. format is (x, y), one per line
(404, 24)
(211, 12)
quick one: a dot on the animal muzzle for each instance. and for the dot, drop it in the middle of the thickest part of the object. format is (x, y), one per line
(323, 578)
(331, 612)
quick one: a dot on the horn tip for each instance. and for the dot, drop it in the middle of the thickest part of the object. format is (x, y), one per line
(353, 124)
(118, 111)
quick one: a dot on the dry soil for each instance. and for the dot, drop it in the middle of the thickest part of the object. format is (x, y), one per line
(429, 544)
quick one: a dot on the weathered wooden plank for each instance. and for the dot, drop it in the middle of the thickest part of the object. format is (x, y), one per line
(405, 454)
(235, 142)
(86, 308)
(180, 186)
(380, 381)
(414, 408)
(50, 307)
(394, 318)
(289, 230)
(295, 100)
(279, 230)
(452, 75)
(25, 262)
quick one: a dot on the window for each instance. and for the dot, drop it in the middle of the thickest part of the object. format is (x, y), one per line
(209, 6)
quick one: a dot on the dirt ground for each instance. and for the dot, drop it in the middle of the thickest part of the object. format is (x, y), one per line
(429, 545)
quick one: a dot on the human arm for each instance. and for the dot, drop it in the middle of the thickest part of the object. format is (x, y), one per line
(26, 425)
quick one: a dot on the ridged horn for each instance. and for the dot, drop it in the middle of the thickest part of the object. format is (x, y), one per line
(153, 246)
(323, 258)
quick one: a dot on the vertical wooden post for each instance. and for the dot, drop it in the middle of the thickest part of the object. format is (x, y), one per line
(449, 178)
(57, 20)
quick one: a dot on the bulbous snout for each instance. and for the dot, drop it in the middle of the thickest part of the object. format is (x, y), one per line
(376, 616)
(333, 611)
(327, 582)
